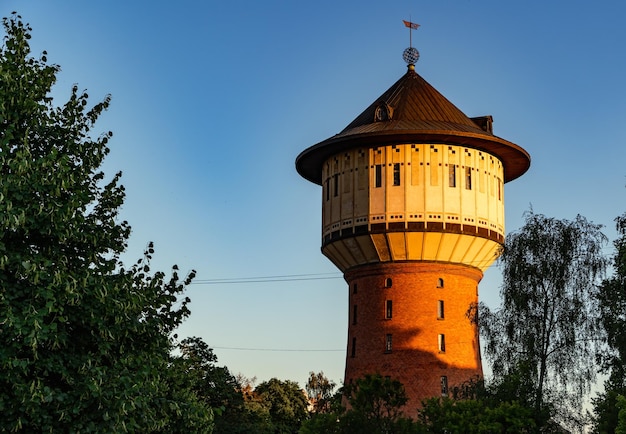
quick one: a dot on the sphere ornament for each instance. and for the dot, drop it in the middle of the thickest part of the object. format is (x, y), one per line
(411, 55)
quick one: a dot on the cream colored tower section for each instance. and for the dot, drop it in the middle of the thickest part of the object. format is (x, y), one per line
(407, 202)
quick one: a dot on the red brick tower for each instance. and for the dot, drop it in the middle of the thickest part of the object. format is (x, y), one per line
(412, 214)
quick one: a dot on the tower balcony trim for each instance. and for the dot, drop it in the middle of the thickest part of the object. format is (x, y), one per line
(381, 228)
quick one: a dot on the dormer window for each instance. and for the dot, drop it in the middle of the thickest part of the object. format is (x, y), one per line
(384, 112)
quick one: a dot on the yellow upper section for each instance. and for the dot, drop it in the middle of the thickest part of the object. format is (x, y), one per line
(414, 188)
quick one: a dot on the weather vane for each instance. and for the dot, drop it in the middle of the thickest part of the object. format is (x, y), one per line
(411, 55)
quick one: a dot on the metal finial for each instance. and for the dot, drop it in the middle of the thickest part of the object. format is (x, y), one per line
(411, 55)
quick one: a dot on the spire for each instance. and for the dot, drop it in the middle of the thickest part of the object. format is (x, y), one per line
(411, 55)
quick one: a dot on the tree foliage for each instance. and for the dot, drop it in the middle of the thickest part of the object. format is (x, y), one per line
(606, 410)
(286, 402)
(256, 415)
(320, 392)
(466, 416)
(546, 330)
(612, 306)
(621, 422)
(375, 404)
(84, 342)
(214, 385)
(376, 397)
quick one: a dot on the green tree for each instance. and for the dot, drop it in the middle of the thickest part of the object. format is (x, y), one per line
(546, 331)
(621, 422)
(287, 404)
(467, 416)
(329, 420)
(320, 392)
(476, 407)
(606, 410)
(84, 342)
(322, 423)
(375, 405)
(214, 385)
(612, 306)
(256, 416)
(240, 408)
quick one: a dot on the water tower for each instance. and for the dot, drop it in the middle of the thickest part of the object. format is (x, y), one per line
(413, 214)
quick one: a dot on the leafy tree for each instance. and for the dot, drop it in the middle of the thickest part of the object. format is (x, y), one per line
(256, 416)
(467, 416)
(546, 330)
(214, 385)
(287, 404)
(320, 391)
(375, 404)
(476, 406)
(84, 342)
(328, 421)
(612, 307)
(612, 304)
(621, 423)
(606, 410)
(321, 423)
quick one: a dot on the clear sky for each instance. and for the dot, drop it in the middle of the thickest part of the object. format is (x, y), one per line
(213, 101)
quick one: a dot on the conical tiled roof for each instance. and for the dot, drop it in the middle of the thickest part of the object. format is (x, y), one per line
(412, 111)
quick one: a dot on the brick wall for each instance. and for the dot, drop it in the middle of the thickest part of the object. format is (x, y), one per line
(413, 325)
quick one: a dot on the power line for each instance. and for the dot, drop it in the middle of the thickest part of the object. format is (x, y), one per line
(303, 350)
(277, 278)
(263, 279)
(275, 349)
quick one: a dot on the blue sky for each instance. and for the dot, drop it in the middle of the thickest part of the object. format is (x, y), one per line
(212, 102)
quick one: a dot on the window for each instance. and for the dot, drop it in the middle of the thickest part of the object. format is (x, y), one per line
(347, 180)
(378, 173)
(452, 175)
(440, 312)
(388, 343)
(388, 309)
(468, 178)
(440, 283)
(442, 343)
(327, 189)
(444, 385)
(388, 282)
(417, 166)
(354, 288)
(354, 314)
(434, 166)
(396, 174)
(353, 353)
(361, 170)
(336, 185)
